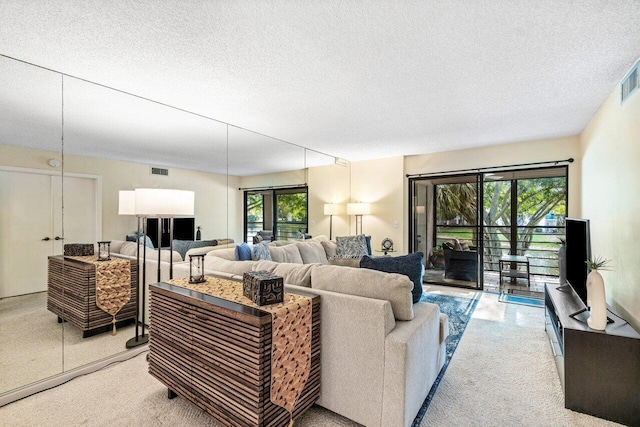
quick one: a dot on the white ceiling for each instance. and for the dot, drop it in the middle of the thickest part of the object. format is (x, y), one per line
(354, 79)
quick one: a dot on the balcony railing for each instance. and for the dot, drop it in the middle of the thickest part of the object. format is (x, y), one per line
(542, 249)
(284, 230)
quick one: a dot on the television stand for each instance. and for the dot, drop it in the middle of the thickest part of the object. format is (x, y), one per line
(599, 370)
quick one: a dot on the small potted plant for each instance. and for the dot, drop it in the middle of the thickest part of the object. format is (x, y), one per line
(596, 297)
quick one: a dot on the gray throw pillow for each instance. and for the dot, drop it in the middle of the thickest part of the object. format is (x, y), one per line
(351, 246)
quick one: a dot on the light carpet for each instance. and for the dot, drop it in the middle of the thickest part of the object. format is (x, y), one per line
(31, 342)
(502, 374)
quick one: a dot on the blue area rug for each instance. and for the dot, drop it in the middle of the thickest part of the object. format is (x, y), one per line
(520, 299)
(459, 310)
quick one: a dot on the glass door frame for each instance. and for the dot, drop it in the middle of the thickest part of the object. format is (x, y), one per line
(480, 181)
(412, 220)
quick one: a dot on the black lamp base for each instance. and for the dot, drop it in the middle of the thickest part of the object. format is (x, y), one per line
(136, 341)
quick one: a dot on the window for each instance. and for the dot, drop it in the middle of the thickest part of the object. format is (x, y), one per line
(284, 211)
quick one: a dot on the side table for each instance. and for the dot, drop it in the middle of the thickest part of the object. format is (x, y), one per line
(386, 251)
(71, 295)
(513, 261)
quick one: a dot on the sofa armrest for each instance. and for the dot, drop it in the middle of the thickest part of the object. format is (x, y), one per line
(411, 364)
(352, 353)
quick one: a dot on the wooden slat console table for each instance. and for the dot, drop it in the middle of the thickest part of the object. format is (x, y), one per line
(71, 295)
(217, 355)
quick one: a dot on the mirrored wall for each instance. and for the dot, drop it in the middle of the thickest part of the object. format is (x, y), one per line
(67, 147)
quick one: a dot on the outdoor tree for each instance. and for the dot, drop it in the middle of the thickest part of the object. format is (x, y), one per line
(535, 199)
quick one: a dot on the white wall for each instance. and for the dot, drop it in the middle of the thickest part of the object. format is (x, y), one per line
(610, 146)
(216, 209)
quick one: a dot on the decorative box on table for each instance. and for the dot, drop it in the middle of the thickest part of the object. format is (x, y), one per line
(262, 287)
(78, 249)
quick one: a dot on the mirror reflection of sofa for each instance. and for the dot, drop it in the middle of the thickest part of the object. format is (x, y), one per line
(460, 261)
(263, 235)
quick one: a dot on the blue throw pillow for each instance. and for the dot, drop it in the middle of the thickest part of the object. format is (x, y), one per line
(409, 265)
(261, 251)
(243, 252)
(368, 238)
(147, 240)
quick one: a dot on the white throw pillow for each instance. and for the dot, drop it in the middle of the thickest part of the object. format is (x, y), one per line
(312, 252)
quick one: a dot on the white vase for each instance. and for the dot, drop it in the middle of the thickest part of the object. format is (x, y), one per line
(596, 300)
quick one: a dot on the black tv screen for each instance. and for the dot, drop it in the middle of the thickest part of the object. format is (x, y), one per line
(183, 229)
(578, 252)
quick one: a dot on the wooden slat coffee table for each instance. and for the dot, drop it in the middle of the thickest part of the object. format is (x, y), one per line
(217, 355)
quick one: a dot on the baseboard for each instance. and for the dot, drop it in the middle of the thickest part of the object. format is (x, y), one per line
(56, 380)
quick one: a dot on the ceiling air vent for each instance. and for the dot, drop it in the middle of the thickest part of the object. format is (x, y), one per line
(159, 171)
(629, 84)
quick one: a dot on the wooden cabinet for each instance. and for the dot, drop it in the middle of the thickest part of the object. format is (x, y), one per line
(71, 295)
(599, 370)
(217, 355)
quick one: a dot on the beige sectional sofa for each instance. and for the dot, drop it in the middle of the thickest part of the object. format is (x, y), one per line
(380, 353)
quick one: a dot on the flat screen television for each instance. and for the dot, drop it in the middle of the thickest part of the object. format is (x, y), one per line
(578, 252)
(183, 229)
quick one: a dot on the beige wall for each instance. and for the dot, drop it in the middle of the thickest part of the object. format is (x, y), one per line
(610, 145)
(381, 183)
(211, 197)
(328, 184)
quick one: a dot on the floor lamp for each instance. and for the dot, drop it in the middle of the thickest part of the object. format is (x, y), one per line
(331, 210)
(162, 203)
(127, 206)
(358, 209)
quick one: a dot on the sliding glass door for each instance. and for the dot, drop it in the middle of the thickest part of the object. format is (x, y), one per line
(283, 211)
(523, 214)
(446, 229)
(464, 224)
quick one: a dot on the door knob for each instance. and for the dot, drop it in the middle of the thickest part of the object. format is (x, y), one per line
(59, 238)
(46, 239)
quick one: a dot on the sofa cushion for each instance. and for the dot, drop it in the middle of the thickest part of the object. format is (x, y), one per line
(243, 252)
(312, 252)
(330, 248)
(213, 264)
(198, 251)
(261, 251)
(351, 246)
(225, 253)
(182, 246)
(392, 287)
(409, 265)
(129, 249)
(286, 253)
(115, 246)
(293, 274)
(345, 262)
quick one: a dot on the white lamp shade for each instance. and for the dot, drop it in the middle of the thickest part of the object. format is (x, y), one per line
(164, 202)
(358, 208)
(126, 203)
(332, 209)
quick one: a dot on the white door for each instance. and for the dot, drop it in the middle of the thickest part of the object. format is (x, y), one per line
(79, 215)
(26, 238)
(31, 219)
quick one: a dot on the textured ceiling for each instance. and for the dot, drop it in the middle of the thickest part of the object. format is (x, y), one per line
(353, 79)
